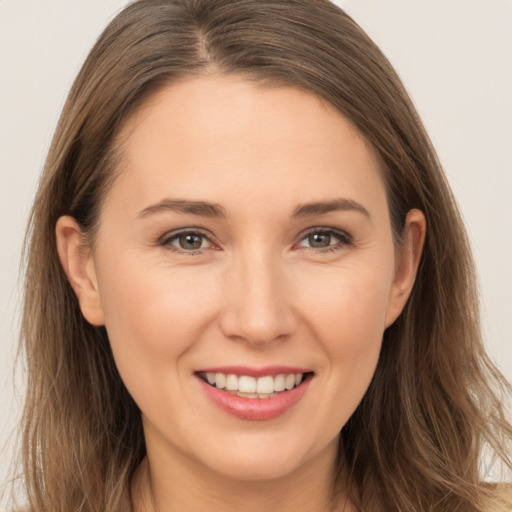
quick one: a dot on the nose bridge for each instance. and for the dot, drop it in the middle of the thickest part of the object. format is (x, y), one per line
(257, 306)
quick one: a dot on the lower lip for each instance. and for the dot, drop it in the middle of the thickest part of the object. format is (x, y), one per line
(255, 409)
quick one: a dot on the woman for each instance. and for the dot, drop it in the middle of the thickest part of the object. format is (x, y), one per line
(248, 284)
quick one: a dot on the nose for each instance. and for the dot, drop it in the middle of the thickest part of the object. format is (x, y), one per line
(258, 303)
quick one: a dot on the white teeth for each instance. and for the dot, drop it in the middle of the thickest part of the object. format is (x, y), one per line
(251, 387)
(289, 382)
(220, 380)
(247, 395)
(265, 385)
(279, 383)
(232, 382)
(247, 384)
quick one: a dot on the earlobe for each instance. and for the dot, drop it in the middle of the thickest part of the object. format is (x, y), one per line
(408, 260)
(78, 264)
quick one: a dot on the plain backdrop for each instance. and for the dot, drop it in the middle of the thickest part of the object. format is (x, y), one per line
(454, 57)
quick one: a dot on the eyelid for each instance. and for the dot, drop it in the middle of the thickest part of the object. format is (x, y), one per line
(166, 239)
(345, 238)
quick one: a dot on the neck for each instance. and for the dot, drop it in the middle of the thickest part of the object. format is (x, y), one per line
(181, 485)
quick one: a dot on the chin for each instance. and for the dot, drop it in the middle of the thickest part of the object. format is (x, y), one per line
(275, 459)
(256, 470)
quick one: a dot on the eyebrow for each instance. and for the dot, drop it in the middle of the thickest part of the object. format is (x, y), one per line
(334, 205)
(201, 208)
(212, 210)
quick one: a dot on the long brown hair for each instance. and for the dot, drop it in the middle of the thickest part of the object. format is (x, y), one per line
(415, 441)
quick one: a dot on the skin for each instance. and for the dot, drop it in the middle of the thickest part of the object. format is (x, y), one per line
(258, 292)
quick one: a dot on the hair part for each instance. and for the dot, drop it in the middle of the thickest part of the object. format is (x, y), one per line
(415, 441)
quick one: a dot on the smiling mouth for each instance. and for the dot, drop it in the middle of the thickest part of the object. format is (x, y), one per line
(255, 387)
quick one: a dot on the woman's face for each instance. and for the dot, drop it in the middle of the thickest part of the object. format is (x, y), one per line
(246, 240)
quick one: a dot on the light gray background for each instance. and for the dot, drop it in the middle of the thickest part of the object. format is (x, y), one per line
(455, 59)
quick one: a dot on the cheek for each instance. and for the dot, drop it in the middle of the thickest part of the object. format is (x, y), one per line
(153, 317)
(347, 307)
(347, 318)
(165, 302)
(354, 340)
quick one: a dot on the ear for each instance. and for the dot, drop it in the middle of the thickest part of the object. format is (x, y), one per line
(78, 263)
(407, 262)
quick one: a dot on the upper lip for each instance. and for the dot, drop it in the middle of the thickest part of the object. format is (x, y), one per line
(252, 371)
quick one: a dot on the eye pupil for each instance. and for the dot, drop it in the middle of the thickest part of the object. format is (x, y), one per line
(190, 241)
(319, 239)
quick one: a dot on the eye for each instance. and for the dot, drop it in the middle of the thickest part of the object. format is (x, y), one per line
(187, 241)
(325, 239)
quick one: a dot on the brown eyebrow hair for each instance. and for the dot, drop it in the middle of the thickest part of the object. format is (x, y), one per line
(206, 209)
(321, 207)
(202, 208)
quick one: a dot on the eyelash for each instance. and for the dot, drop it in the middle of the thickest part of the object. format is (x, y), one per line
(344, 240)
(166, 241)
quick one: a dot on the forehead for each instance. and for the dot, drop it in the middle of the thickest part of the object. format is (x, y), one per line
(203, 135)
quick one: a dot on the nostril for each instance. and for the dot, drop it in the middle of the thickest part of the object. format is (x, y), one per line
(257, 326)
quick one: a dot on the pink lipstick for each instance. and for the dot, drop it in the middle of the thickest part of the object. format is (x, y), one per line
(255, 394)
